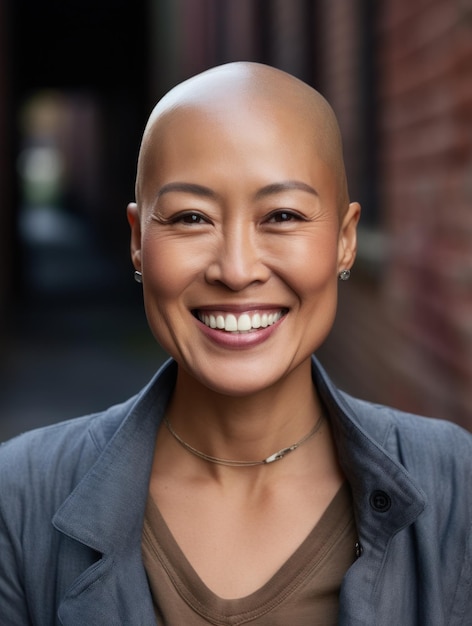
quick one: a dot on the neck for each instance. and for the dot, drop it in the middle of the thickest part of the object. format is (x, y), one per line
(245, 427)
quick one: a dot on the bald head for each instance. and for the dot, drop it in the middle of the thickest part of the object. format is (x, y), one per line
(229, 93)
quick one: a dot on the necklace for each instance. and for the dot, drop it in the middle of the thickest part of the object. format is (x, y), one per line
(270, 459)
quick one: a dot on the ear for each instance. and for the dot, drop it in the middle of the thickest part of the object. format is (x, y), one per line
(134, 221)
(347, 243)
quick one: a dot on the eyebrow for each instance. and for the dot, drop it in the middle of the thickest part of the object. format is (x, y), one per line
(192, 188)
(286, 185)
(206, 192)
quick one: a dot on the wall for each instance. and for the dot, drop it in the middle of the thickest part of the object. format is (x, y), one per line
(427, 169)
(404, 336)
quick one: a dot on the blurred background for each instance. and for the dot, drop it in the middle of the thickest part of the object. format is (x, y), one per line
(77, 82)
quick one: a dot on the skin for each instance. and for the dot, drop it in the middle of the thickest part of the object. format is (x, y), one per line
(242, 207)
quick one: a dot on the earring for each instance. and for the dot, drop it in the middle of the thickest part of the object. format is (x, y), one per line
(344, 274)
(138, 277)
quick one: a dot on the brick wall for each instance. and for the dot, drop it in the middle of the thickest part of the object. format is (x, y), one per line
(409, 335)
(425, 96)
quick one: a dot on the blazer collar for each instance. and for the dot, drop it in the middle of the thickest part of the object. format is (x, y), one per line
(106, 511)
(386, 497)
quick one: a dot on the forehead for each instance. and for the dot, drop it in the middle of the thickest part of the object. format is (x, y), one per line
(250, 137)
(229, 126)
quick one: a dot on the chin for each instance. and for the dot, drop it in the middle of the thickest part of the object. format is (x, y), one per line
(237, 381)
(238, 389)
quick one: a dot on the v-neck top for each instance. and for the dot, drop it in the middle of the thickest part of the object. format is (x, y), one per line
(304, 591)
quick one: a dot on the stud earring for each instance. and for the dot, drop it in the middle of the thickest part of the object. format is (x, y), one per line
(344, 274)
(138, 277)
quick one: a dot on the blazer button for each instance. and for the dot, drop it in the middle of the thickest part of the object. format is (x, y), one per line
(380, 501)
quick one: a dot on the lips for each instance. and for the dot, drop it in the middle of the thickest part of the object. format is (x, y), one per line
(240, 322)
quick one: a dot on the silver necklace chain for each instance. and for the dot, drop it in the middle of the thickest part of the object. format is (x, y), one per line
(277, 456)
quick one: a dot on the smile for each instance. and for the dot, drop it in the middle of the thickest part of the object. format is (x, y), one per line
(240, 323)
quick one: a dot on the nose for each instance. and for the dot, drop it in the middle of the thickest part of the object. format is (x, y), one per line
(238, 260)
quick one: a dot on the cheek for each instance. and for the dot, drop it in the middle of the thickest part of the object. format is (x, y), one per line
(166, 268)
(165, 277)
(312, 267)
(315, 283)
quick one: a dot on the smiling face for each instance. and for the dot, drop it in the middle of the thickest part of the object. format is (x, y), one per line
(240, 231)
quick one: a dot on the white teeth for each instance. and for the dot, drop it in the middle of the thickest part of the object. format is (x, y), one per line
(231, 323)
(243, 323)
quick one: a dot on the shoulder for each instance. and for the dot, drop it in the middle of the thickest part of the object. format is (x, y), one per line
(374, 418)
(425, 446)
(57, 455)
(404, 435)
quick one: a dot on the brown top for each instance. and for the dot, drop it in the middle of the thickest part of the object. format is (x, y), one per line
(304, 591)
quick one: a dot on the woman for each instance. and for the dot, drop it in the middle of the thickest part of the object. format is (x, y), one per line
(239, 487)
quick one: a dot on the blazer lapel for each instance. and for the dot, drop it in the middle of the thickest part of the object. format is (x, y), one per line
(105, 512)
(386, 497)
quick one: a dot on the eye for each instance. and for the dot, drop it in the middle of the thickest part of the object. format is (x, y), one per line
(190, 218)
(283, 216)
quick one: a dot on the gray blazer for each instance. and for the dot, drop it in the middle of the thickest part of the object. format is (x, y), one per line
(72, 500)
